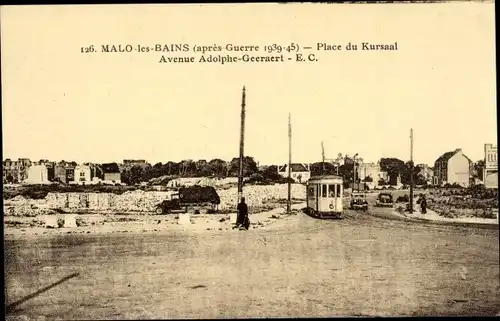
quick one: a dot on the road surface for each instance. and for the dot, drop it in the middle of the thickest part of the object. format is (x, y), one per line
(363, 265)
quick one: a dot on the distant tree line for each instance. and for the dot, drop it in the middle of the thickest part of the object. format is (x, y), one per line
(392, 166)
(216, 168)
(219, 168)
(396, 167)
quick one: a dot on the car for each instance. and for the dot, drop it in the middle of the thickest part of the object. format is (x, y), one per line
(358, 201)
(384, 200)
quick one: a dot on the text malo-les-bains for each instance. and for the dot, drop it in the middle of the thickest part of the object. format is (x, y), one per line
(177, 48)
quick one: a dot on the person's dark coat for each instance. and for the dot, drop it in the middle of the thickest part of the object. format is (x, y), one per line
(423, 205)
(242, 213)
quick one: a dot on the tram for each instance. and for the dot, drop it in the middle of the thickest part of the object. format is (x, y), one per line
(324, 196)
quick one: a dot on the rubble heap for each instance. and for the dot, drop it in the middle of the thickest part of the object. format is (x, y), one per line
(257, 197)
(138, 200)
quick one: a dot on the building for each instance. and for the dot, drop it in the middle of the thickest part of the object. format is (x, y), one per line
(60, 173)
(87, 173)
(452, 168)
(490, 170)
(133, 162)
(394, 179)
(111, 173)
(129, 163)
(70, 174)
(50, 168)
(371, 174)
(426, 172)
(64, 172)
(23, 167)
(82, 174)
(477, 172)
(37, 174)
(16, 171)
(300, 172)
(96, 172)
(10, 171)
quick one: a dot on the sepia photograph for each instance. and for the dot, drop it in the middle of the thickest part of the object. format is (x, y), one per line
(260, 160)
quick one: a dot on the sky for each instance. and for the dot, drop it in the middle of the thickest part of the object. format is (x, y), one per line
(58, 103)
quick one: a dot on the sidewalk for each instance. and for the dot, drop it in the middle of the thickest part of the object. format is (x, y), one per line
(433, 216)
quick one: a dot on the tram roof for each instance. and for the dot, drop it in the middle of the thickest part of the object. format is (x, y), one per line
(325, 178)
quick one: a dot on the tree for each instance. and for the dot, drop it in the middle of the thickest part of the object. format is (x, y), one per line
(405, 173)
(346, 171)
(147, 173)
(135, 174)
(202, 168)
(170, 168)
(157, 170)
(217, 167)
(329, 169)
(392, 166)
(187, 168)
(420, 179)
(249, 166)
(271, 173)
(477, 170)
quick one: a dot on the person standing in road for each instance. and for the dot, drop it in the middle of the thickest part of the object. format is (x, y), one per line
(423, 204)
(242, 213)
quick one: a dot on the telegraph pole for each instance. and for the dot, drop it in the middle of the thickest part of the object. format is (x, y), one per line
(289, 202)
(354, 171)
(323, 156)
(242, 145)
(411, 170)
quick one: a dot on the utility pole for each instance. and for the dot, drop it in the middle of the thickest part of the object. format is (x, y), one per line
(364, 177)
(323, 156)
(242, 145)
(411, 170)
(289, 202)
(354, 171)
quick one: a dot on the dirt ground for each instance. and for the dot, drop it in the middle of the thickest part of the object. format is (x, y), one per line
(363, 265)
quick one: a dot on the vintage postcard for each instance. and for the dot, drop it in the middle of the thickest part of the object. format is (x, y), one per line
(249, 160)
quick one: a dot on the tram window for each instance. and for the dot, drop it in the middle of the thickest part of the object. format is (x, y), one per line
(338, 189)
(312, 191)
(323, 194)
(331, 190)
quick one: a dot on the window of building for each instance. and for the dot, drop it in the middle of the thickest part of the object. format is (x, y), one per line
(82, 174)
